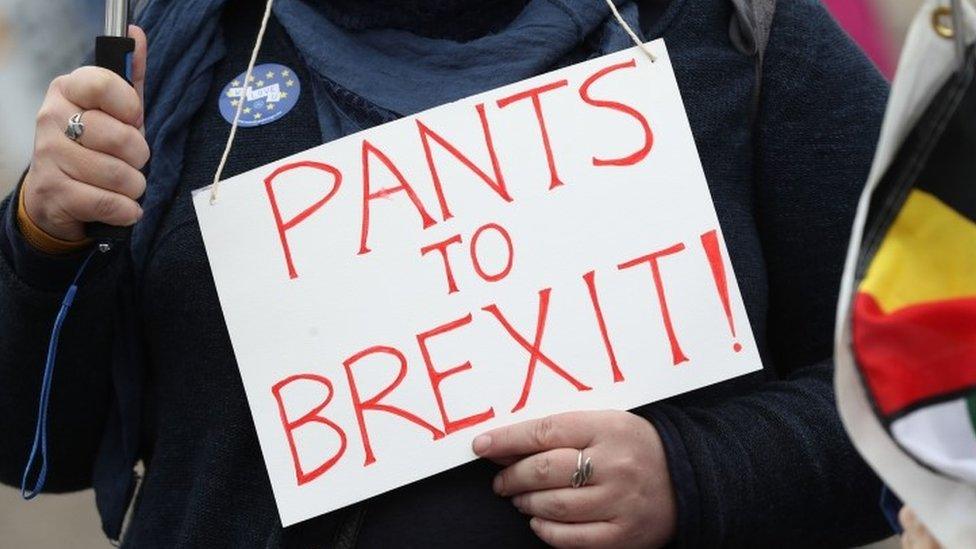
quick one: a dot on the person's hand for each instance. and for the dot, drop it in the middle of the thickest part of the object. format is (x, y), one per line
(628, 501)
(916, 535)
(97, 177)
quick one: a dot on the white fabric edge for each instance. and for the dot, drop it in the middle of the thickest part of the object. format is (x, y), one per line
(946, 507)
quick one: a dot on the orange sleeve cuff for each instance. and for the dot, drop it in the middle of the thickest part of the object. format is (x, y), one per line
(38, 238)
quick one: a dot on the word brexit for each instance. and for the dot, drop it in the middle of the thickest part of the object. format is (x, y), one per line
(530, 341)
(550, 245)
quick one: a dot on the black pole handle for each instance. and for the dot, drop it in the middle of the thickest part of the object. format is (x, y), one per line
(115, 54)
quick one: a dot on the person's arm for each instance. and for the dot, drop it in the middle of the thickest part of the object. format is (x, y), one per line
(775, 467)
(95, 177)
(32, 285)
(772, 468)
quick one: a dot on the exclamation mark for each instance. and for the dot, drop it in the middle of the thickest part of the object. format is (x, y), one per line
(709, 242)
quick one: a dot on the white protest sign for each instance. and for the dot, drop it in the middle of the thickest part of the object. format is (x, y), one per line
(546, 246)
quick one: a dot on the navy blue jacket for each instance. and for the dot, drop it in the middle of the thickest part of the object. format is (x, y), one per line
(760, 460)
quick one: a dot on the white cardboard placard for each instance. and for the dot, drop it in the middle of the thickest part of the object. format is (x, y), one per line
(611, 238)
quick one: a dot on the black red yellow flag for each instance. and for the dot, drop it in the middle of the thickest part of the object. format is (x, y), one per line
(914, 312)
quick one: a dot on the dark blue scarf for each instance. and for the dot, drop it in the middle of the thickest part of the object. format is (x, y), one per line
(186, 42)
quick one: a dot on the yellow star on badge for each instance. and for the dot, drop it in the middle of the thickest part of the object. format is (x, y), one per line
(289, 83)
(269, 75)
(235, 102)
(257, 116)
(270, 107)
(247, 109)
(285, 72)
(235, 83)
(250, 78)
(260, 83)
(230, 93)
(284, 95)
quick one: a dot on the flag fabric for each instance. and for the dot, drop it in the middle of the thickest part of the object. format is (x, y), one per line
(913, 318)
(905, 346)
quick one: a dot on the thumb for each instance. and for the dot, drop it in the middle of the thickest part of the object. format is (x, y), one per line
(138, 60)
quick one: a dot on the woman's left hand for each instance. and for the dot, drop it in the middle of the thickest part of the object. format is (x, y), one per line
(628, 500)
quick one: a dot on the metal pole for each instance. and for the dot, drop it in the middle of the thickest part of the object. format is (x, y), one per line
(116, 17)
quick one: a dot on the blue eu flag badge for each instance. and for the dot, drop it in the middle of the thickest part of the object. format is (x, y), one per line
(271, 91)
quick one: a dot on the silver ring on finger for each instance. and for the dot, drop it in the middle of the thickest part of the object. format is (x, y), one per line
(76, 128)
(584, 470)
